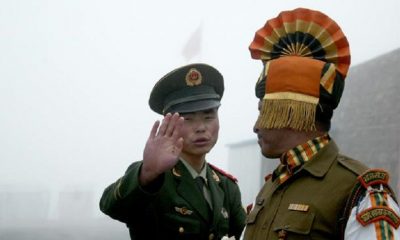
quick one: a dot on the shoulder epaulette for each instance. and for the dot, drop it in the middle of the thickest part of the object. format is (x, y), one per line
(354, 166)
(231, 177)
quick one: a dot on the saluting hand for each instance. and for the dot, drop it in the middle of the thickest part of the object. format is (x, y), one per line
(162, 148)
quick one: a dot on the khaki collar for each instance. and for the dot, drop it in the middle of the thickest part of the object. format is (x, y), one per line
(322, 161)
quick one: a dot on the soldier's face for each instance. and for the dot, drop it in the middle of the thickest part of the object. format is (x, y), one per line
(273, 142)
(200, 132)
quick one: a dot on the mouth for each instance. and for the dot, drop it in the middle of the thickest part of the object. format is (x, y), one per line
(259, 139)
(201, 141)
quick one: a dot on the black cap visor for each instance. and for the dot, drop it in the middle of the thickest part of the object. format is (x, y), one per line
(194, 106)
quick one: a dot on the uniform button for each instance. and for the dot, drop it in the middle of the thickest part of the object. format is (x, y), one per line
(181, 229)
(282, 234)
(211, 236)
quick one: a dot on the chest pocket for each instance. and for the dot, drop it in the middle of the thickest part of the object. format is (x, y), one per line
(294, 223)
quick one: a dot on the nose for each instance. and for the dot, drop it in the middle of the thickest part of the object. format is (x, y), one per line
(255, 128)
(200, 126)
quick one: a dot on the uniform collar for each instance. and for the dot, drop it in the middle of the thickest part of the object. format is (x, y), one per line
(193, 172)
(323, 160)
(294, 159)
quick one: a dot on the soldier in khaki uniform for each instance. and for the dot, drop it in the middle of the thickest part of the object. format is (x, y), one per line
(173, 193)
(315, 192)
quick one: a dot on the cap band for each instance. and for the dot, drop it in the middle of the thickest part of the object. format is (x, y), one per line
(190, 99)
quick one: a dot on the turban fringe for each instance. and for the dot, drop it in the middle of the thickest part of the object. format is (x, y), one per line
(281, 113)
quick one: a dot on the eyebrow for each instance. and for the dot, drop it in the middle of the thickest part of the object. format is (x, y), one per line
(212, 110)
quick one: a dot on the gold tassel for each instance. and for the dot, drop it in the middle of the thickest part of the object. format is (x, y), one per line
(282, 113)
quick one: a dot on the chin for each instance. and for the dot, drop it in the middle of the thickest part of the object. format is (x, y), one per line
(201, 151)
(205, 151)
(268, 154)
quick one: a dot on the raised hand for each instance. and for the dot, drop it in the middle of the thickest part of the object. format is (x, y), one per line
(162, 148)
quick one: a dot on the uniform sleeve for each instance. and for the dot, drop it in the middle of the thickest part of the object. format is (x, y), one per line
(125, 199)
(238, 214)
(376, 216)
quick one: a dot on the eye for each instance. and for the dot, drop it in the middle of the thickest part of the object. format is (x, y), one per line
(187, 117)
(210, 116)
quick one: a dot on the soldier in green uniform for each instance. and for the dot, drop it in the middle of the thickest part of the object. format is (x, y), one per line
(173, 193)
(315, 192)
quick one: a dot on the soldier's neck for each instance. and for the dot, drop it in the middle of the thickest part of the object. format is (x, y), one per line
(197, 162)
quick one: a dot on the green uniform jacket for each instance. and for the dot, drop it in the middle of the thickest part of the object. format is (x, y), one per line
(174, 208)
(309, 204)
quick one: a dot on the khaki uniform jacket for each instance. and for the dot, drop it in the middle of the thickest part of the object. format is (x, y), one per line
(174, 208)
(308, 205)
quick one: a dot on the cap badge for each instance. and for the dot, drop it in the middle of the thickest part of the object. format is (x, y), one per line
(193, 77)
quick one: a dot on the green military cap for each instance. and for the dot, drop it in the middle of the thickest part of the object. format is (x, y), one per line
(190, 88)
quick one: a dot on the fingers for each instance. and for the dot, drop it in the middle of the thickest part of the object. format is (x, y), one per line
(178, 127)
(169, 123)
(154, 129)
(171, 129)
(164, 124)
